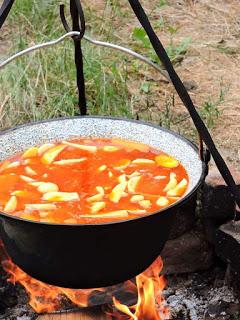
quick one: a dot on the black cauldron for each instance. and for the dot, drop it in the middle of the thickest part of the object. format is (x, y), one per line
(90, 256)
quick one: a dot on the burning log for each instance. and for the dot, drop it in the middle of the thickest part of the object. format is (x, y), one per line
(92, 314)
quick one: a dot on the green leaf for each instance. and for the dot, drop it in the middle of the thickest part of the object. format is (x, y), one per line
(139, 34)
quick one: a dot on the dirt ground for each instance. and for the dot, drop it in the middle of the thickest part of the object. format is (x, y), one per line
(210, 65)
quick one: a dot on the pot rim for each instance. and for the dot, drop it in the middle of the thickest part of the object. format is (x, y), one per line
(162, 211)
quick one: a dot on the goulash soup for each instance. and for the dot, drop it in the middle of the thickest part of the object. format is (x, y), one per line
(89, 180)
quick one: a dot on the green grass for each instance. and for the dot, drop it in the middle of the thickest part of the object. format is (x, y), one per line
(42, 85)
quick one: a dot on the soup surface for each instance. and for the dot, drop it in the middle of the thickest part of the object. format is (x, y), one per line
(89, 180)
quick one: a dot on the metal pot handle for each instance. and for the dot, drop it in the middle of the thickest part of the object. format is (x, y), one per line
(130, 52)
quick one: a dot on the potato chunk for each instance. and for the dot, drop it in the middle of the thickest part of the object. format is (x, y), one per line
(145, 204)
(30, 153)
(11, 205)
(47, 187)
(30, 171)
(44, 147)
(110, 148)
(61, 196)
(122, 178)
(102, 168)
(100, 190)
(96, 197)
(136, 198)
(179, 189)
(166, 161)
(49, 156)
(162, 202)
(117, 192)
(97, 206)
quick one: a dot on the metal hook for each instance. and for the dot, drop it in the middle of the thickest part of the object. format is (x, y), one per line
(80, 27)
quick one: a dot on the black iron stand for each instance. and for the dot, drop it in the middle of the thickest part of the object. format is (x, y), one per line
(75, 14)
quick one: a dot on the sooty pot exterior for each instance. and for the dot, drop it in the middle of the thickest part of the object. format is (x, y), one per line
(86, 256)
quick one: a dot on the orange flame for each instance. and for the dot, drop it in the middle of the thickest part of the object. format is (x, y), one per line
(150, 304)
(45, 298)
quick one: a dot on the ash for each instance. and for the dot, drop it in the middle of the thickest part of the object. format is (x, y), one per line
(202, 296)
(13, 301)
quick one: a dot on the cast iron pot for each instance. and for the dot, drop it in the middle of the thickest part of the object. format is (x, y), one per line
(91, 256)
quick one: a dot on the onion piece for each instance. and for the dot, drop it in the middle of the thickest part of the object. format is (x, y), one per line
(39, 207)
(137, 211)
(13, 165)
(81, 146)
(69, 161)
(143, 161)
(26, 179)
(112, 214)
(132, 183)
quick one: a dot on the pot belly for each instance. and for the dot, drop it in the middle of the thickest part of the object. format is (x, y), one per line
(86, 256)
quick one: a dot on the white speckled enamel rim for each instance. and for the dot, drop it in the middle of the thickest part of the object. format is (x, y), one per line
(15, 140)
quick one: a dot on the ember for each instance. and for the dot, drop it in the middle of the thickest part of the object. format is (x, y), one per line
(150, 304)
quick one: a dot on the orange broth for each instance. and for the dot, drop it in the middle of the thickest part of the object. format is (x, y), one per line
(89, 180)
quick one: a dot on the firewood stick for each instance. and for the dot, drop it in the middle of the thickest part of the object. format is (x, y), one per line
(88, 314)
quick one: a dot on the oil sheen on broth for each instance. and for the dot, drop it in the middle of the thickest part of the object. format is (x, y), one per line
(89, 180)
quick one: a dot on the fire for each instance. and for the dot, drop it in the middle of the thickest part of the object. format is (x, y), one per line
(148, 289)
(150, 303)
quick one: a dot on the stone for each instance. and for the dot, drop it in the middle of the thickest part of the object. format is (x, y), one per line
(189, 253)
(227, 244)
(218, 204)
(184, 219)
